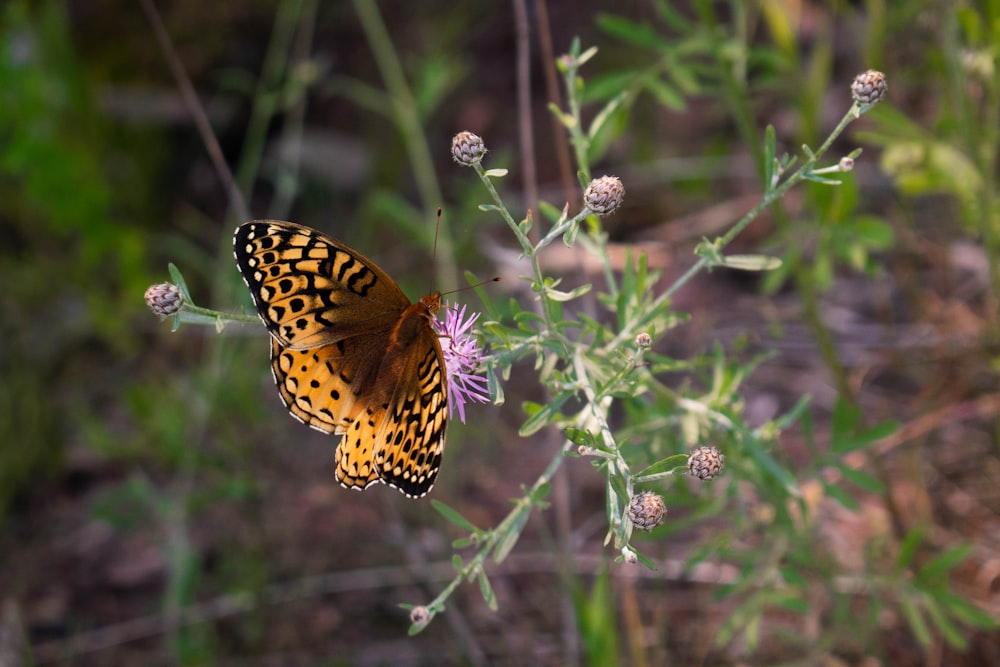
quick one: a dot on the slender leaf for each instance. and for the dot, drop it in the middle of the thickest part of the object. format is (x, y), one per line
(453, 516)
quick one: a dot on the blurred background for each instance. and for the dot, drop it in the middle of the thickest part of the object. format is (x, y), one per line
(158, 505)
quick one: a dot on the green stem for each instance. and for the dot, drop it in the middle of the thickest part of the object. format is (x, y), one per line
(498, 534)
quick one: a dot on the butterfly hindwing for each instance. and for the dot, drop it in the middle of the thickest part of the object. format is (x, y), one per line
(410, 439)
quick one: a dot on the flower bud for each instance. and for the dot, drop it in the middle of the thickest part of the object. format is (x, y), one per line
(420, 616)
(643, 341)
(604, 195)
(164, 299)
(647, 510)
(869, 87)
(706, 462)
(467, 148)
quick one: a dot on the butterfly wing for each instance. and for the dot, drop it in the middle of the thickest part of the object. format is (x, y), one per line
(310, 289)
(412, 426)
(392, 408)
(325, 386)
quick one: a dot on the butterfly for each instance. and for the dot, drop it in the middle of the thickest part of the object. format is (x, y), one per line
(350, 353)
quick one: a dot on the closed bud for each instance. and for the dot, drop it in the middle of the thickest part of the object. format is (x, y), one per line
(706, 462)
(164, 299)
(869, 87)
(647, 510)
(467, 148)
(604, 195)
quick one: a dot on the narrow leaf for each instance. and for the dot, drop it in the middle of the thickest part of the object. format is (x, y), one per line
(453, 516)
(751, 262)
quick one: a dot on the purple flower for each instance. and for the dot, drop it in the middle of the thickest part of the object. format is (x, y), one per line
(462, 357)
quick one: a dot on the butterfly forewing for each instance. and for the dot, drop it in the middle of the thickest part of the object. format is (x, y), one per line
(310, 289)
(350, 354)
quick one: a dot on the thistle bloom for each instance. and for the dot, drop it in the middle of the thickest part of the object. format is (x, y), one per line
(461, 357)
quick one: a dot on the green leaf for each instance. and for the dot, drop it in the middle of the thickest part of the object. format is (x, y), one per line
(664, 93)
(944, 625)
(580, 437)
(494, 386)
(875, 232)
(822, 180)
(966, 611)
(845, 419)
(453, 516)
(841, 496)
(936, 570)
(672, 17)
(487, 590)
(915, 620)
(561, 296)
(751, 262)
(510, 536)
(793, 604)
(783, 477)
(566, 119)
(908, 548)
(602, 116)
(644, 559)
(793, 415)
(668, 464)
(860, 478)
(582, 59)
(569, 237)
(770, 158)
(639, 34)
(541, 415)
(178, 279)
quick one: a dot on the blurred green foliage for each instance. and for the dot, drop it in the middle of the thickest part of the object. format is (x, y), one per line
(70, 265)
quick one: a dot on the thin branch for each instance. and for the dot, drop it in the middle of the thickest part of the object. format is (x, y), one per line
(196, 109)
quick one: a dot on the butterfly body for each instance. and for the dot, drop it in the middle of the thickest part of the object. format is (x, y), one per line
(350, 353)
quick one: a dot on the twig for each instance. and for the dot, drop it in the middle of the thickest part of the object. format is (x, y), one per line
(196, 109)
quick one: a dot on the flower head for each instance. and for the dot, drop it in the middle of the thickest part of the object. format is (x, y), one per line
(646, 510)
(462, 357)
(869, 87)
(164, 299)
(706, 462)
(420, 616)
(467, 148)
(604, 195)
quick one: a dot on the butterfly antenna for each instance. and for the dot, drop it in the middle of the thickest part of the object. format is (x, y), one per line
(434, 252)
(494, 279)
